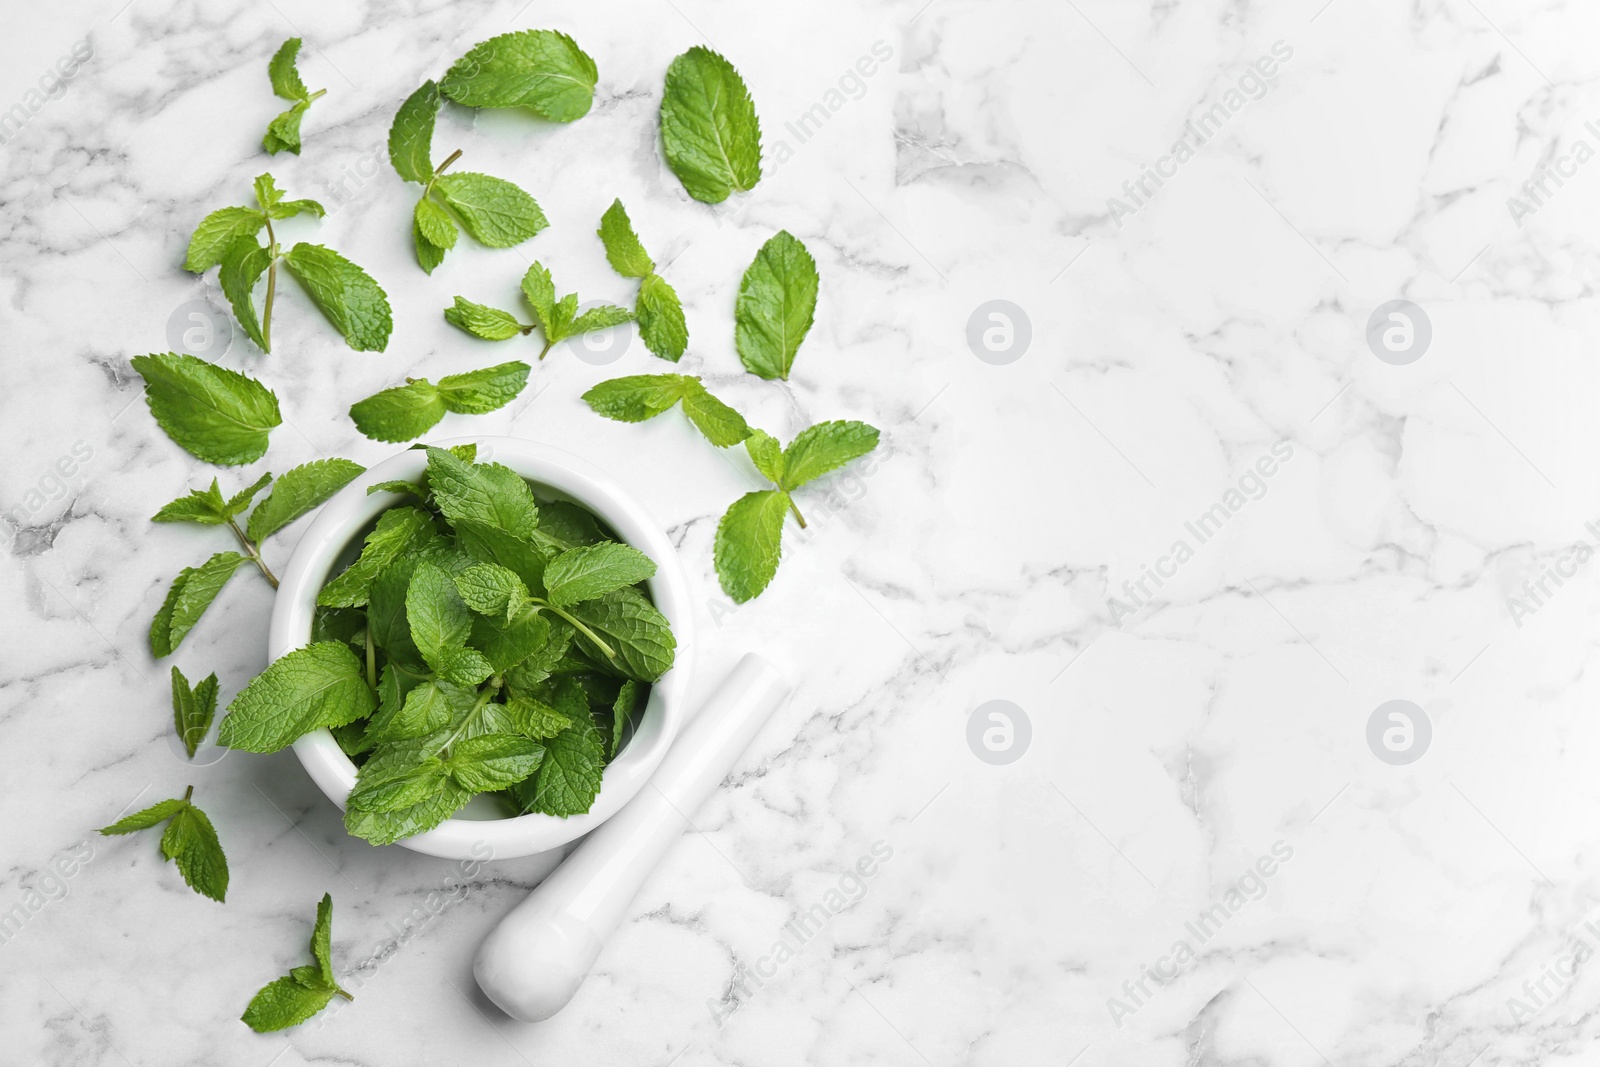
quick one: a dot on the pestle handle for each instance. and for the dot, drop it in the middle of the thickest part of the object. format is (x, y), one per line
(532, 963)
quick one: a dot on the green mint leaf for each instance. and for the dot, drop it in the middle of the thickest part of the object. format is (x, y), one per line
(429, 255)
(489, 323)
(399, 530)
(766, 454)
(435, 226)
(217, 415)
(540, 290)
(385, 828)
(539, 69)
(481, 391)
(507, 641)
(490, 589)
(297, 492)
(559, 328)
(285, 78)
(709, 129)
(193, 709)
(267, 192)
(777, 300)
(486, 493)
(661, 323)
(243, 264)
(533, 718)
(593, 571)
(490, 544)
(283, 1003)
(411, 135)
(825, 447)
(283, 132)
(493, 761)
(154, 815)
(602, 317)
(623, 249)
(322, 940)
(440, 619)
(190, 842)
(321, 685)
(398, 787)
(494, 211)
(748, 543)
(347, 295)
(635, 630)
(191, 594)
(240, 501)
(570, 774)
(466, 666)
(720, 424)
(569, 524)
(217, 231)
(290, 208)
(401, 413)
(399, 486)
(424, 710)
(637, 397)
(621, 711)
(204, 506)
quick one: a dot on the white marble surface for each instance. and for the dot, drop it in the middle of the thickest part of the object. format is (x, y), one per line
(978, 560)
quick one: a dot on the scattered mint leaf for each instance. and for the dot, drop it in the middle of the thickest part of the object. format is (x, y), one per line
(243, 264)
(217, 231)
(709, 130)
(824, 447)
(297, 996)
(191, 594)
(204, 506)
(411, 134)
(347, 295)
(321, 685)
(189, 840)
(766, 454)
(643, 396)
(661, 323)
(193, 709)
(495, 212)
(479, 392)
(284, 131)
(436, 226)
(489, 323)
(539, 69)
(297, 492)
(217, 415)
(776, 304)
(748, 543)
(593, 571)
(623, 248)
(401, 413)
(720, 424)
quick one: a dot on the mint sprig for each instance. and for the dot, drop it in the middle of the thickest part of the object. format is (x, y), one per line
(557, 319)
(495, 212)
(411, 410)
(189, 841)
(657, 307)
(644, 396)
(283, 133)
(347, 295)
(193, 709)
(304, 991)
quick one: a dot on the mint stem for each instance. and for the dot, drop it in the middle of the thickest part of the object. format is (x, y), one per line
(343, 994)
(254, 553)
(372, 663)
(580, 627)
(187, 793)
(798, 517)
(543, 351)
(272, 288)
(315, 95)
(451, 158)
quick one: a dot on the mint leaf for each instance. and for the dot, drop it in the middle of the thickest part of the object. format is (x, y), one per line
(534, 718)
(720, 424)
(216, 232)
(304, 991)
(599, 318)
(217, 415)
(661, 323)
(321, 685)
(397, 787)
(283, 132)
(490, 544)
(540, 291)
(429, 255)
(494, 211)
(238, 502)
(191, 594)
(193, 709)
(709, 130)
(644, 396)
(481, 391)
(621, 711)
(435, 231)
(748, 543)
(486, 493)
(824, 447)
(539, 69)
(570, 774)
(440, 619)
(766, 454)
(493, 761)
(569, 524)
(154, 815)
(411, 135)
(347, 295)
(243, 264)
(384, 828)
(636, 632)
(777, 300)
(290, 208)
(593, 571)
(558, 318)
(401, 413)
(490, 589)
(399, 530)
(285, 78)
(426, 709)
(190, 842)
(623, 248)
(489, 323)
(508, 640)
(204, 506)
(297, 492)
